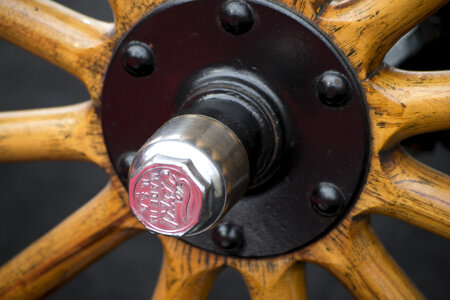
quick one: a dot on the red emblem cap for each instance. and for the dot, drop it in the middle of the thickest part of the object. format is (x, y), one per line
(167, 198)
(187, 175)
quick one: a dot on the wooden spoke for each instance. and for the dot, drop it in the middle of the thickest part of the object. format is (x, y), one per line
(405, 103)
(308, 8)
(186, 272)
(69, 133)
(128, 12)
(405, 189)
(366, 29)
(401, 104)
(74, 42)
(70, 247)
(353, 254)
(267, 279)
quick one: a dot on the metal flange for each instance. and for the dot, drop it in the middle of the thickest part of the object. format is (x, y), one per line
(319, 105)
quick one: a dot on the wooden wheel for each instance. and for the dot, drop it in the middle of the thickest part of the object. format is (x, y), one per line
(401, 104)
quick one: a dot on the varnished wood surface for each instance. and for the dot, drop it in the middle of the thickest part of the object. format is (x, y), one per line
(353, 254)
(272, 278)
(406, 103)
(64, 133)
(401, 104)
(82, 238)
(403, 188)
(74, 42)
(365, 30)
(308, 9)
(188, 273)
(128, 12)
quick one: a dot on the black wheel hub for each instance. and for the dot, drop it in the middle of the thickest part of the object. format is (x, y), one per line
(321, 116)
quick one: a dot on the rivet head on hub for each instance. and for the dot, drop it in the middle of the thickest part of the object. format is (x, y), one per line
(228, 237)
(138, 59)
(236, 17)
(327, 199)
(332, 88)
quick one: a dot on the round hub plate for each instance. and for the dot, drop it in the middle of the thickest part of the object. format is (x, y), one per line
(322, 143)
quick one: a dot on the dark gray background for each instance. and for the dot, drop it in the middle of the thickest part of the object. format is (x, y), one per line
(36, 196)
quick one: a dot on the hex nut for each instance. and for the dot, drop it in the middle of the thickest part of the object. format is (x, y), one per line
(167, 195)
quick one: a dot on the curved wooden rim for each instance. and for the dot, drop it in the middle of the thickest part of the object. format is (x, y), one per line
(401, 104)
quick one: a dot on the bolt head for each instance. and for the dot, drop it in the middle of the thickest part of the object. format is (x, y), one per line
(236, 17)
(138, 59)
(327, 199)
(228, 237)
(333, 88)
(167, 195)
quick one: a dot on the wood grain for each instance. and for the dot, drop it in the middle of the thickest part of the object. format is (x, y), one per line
(64, 133)
(405, 103)
(365, 30)
(401, 104)
(188, 273)
(308, 8)
(403, 188)
(410, 103)
(71, 246)
(353, 254)
(128, 12)
(272, 278)
(76, 43)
